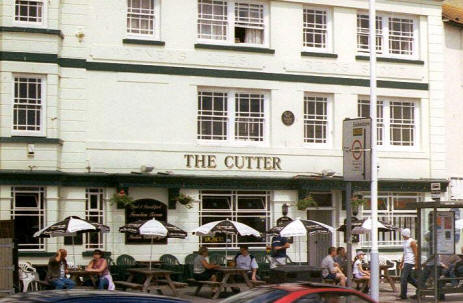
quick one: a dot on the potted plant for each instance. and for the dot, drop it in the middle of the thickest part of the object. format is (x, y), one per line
(121, 200)
(357, 202)
(185, 200)
(308, 201)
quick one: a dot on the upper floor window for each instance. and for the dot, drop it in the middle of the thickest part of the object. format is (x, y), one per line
(315, 119)
(29, 105)
(395, 35)
(30, 11)
(232, 115)
(240, 22)
(397, 121)
(143, 18)
(316, 28)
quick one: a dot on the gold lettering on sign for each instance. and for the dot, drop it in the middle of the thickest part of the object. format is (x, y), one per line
(232, 161)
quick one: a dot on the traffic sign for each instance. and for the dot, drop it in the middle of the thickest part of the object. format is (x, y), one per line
(356, 149)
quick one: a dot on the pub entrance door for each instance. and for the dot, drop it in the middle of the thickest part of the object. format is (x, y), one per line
(318, 244)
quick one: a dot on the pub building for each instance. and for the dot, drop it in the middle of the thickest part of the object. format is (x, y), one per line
(197, 121)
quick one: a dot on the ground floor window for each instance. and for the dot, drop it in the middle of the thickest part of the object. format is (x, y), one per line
(94, 212)
(28, 212)
(397, 209)
(249, 207)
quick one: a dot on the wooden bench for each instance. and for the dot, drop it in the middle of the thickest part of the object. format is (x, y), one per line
(361, 284)
(257, 282)
(43, 285)
(175, 283)
(329, 281)
(200, 284)
(128, 285)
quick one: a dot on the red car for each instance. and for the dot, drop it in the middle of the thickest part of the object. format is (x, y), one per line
(300, 293)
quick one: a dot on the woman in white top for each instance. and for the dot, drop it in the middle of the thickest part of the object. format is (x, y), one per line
(358, 271)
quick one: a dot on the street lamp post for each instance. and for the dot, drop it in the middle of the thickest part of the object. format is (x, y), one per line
(374, 257)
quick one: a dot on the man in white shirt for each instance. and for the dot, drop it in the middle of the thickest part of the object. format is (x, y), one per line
(409, 261)
(246, 261)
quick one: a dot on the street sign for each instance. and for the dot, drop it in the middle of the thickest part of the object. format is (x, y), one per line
(435, 191)
(356, 146)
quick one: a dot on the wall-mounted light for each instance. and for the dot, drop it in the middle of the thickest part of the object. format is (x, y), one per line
(284, 209)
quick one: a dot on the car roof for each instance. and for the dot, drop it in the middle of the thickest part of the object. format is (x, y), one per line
(306, 285)
(57, 295)
(304, 288)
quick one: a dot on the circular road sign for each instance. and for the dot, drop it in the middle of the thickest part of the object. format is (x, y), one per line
(356, 149)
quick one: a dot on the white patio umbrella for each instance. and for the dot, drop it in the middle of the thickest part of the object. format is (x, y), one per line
(300, 228)
(226, 227)
(71, 226)
(154, 229)
(366, 227)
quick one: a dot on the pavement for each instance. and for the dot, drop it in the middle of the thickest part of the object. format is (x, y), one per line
(386, 295)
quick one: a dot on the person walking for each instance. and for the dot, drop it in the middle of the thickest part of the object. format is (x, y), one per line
(57, 270)
(409, 260)
(279, 246)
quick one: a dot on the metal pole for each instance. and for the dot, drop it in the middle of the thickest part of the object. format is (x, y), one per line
(348, 232)
(436, 256)
(374, 172)
(418, 239)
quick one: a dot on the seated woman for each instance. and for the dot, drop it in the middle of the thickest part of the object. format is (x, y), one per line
(99, 265)
(358, 271)
(203, 270)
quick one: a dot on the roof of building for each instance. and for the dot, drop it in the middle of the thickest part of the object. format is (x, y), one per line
(452, 10)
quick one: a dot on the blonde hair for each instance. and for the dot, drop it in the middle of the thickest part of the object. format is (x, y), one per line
(202, 250)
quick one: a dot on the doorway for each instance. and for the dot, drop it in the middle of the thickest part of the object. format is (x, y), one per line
(318, 244)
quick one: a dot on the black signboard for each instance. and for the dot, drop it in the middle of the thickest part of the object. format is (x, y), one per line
(145, 209)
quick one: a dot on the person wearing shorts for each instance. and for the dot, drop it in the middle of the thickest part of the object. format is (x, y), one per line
(331, 270)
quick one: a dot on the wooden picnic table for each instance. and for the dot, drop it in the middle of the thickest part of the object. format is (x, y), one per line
(227, 273)
(152, 279)
(76, 274)
(147, 263)
(384, 272)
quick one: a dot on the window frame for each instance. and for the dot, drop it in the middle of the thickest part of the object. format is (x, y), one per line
(90, 212)
(391, 213)
(235, 212)
(385, 49)
(231, 117)
(329, 121)
(329, 30)
(230, 26)
(156, 36)
(42, 211)
(42, 24)
(43, 112)
(386, 140)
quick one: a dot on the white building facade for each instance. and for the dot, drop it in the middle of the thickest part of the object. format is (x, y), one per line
(236, 103)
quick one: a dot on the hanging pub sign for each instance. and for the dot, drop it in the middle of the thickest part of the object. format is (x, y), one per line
(145, 209)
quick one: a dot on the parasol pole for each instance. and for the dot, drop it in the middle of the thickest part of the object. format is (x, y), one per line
(151, 250)
(73, 251)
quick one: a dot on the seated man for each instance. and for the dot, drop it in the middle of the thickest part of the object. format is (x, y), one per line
(57, 270)
(449, 263)
(246, 261)
(331, 269)
(341, 259)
